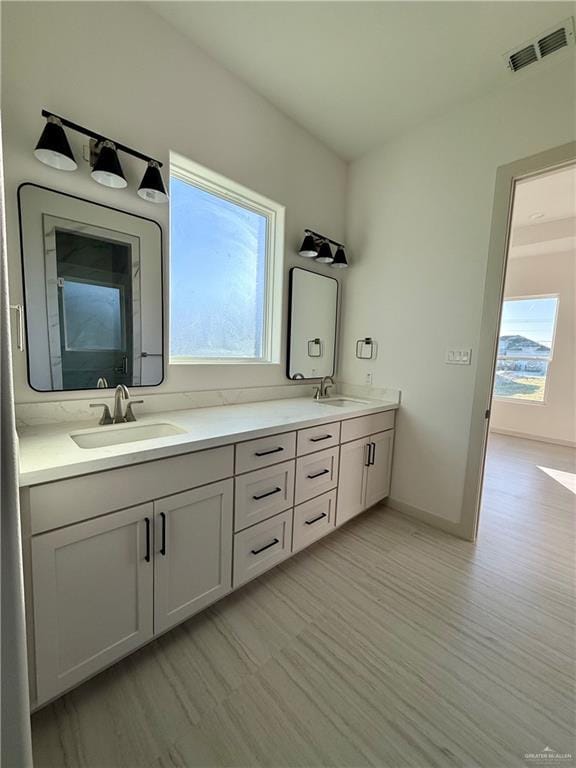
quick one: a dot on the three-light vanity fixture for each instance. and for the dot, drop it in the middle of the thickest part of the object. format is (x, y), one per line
(53, 149)
(318, 247)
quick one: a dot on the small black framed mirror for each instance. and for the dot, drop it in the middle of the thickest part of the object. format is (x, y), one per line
(312, 324)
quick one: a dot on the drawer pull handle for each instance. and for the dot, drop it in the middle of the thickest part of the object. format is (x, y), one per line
(315, 519)
(266, 546)
(267, 453)
(321, 437)
(268, 493)
(147, 555)
(163, 547)
(318, 474)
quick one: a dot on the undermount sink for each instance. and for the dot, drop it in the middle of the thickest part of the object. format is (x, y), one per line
(118, 434)
(342, 402)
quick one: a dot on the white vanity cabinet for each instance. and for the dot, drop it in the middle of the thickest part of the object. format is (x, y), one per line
(365, 464)
(192, 552)
(117, 557)
(93, 596)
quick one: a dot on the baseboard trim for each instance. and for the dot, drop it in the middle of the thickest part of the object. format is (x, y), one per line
(448, 526)
(536, 438)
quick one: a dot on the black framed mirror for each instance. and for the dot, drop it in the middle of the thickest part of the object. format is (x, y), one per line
(93, 293)
(312, 324)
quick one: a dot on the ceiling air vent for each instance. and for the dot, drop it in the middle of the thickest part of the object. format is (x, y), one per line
(554, 39)
(553, 42)
(522, 58)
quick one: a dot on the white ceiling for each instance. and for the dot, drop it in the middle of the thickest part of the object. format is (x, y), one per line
(544, 214)
(356, 73)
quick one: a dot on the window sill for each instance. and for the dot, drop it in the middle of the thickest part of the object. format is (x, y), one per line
(217, 361)
(518, 400)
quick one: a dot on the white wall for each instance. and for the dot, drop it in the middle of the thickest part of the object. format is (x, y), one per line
(418, 226)
(555, 419)
(121, 69)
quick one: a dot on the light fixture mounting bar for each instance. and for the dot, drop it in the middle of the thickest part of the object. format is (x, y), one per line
(99, 137)
(318, 236)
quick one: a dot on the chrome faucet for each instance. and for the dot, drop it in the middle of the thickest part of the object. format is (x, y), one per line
(121, 393)
(322, 391)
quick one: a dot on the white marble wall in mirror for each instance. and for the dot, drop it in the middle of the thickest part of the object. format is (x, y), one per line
(93, 293)
(313, 324)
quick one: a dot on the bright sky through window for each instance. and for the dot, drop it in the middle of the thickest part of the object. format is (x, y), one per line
(217, 276)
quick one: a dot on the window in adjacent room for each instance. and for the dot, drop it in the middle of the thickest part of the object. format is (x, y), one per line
(525, 347)
(226, 254)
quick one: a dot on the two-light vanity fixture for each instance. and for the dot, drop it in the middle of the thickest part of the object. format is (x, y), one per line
(54, 150)
(316, 246)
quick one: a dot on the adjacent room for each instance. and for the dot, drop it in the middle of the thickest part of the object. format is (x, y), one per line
(288, 383)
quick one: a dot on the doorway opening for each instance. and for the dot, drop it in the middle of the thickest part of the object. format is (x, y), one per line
(529, 478)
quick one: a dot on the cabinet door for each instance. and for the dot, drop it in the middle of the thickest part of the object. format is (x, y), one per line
(378, 476)
(93, 592)
(352, 483)
(193, 557)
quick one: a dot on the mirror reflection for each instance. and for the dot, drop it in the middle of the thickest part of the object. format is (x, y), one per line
(93, 293)
(313, 322)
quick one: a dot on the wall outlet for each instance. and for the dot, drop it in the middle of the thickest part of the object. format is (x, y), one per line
(458, 356)
(369, 379)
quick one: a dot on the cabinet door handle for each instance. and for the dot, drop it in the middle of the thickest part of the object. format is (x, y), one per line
(267, 453)
(318, 474)
(268, 493)
(147, 555)
(322, 437)
(163, 546)
(266, 546)
(373, 454)
(368, 452)
(315, 519)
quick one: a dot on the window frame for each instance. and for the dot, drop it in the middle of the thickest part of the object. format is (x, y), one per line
(549, 359)
(203, 178)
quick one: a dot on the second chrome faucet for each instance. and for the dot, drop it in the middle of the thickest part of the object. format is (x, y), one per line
(120, 416)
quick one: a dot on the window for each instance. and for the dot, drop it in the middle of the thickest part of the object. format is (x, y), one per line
(525, 347)
(225, 269)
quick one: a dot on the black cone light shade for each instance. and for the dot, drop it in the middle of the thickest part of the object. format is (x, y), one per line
(152, 187)
(325, 254)
(308, 248)
(107, 169)
(340, 261)
(53, 148)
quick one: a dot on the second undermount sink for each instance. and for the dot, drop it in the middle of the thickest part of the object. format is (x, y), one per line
(341, 402)
(117, 434)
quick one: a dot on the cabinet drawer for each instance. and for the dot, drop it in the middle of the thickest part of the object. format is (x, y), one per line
(259, 548)
(262, 494)
(313, 519)
(352, 429)
(316, 474)
(53, 505)
(265, 451)
(317, 438)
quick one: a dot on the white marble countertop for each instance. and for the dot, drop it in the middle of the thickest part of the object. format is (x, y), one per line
(48, 453)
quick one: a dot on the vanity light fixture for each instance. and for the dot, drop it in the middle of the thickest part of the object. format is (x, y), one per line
(107, 169)
(325, 255)
(340, 261)
(53, 149)
(152, 186)
(317, 246)
(308, 249)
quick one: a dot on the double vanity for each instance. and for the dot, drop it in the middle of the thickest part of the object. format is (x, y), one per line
(131, 529)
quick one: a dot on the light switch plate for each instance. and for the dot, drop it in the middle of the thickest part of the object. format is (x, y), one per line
(458, 356)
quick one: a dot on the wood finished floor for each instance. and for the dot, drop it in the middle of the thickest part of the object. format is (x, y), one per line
(387, 644)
